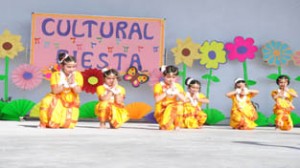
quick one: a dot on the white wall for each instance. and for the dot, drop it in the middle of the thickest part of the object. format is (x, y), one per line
(221, 20)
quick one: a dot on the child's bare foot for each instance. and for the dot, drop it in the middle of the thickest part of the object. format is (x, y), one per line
(102, 125)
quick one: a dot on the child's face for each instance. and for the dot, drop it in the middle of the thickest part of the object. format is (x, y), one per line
(195, 88)
(282, 83)
(110, 79)
(240, 85)
(170, 78)
(69, 67)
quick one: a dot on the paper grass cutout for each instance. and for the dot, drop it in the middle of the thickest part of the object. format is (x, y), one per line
(87, 110)
(16, 109)
(213, 54)
(186, 52)
(295, 118)
(27, 77)
(155, 77)
(261, 120)
(92, 79)
(242, 49)
(10, 46)
(277, 54)
(138, 110)
(296, 60)
(135, 77)
(35, 111)
(50, 70)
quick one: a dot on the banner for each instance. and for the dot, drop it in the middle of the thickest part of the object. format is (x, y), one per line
(98, 41)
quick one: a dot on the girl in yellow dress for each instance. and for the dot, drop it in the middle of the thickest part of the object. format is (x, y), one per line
(193, 116)
(111, 101)
(243, 112)
(59, 109)
(283, 97)
(169, 97)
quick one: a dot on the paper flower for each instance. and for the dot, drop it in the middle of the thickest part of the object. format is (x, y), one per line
(10, 45)
(27, 76)
(156, 76)
(92, 79)
(276, 53)
(241, 49)
(49, 71)
(213, 54)
(186, 52)
(296, 58)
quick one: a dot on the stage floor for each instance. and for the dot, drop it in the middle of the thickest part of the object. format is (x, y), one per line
(23, 144)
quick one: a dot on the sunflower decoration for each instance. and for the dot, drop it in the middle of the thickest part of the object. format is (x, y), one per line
(50, 70)
(27, 77)
(92, 79)
(213, 54)
(186, 52)
(278, 54)
(10, 46)
(242, 49)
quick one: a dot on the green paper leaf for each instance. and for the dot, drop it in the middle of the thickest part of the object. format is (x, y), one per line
(2, 77)
(261, 120)
(251, 82)
(273, 76)
(206, 77)
(214, 116)
(180, 73)
(297, 78)
(271, 119)
(215, 79)
(87, 110)
(16, 109)
(296, 118)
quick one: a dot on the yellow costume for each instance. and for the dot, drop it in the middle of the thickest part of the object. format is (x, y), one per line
(243, 113)
(282, 110)
(193, 116)
(61, 110)
(111, 111)
(168, 112)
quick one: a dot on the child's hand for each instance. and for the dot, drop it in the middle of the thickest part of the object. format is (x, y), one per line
(238, 91)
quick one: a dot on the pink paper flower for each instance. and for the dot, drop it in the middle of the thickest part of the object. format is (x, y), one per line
(27, 76)
(296, 58)
(241, 49)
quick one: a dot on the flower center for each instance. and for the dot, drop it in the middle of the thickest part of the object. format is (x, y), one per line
(186, 52)
(93, 80)
(242, 50)
(7, 45)
(212, 55)
(27, 75)
(276, 52)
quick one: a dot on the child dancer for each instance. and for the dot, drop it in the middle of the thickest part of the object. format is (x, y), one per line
(59, 109)
(193, 116)
(111, 100)
(168, 108)
(283, 97)
(243, 112)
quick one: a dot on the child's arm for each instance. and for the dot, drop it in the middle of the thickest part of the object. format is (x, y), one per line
(291, 92)
(254, 92)
(229, 94)
(160, 97)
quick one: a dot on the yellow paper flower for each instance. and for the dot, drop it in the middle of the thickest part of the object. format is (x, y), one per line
(213, 54)
(10, 45)
(186, 52)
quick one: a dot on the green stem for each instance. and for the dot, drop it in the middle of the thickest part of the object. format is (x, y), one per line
(6, 79)
(245, 72)
(279, 70)
(183, 75)
(208, 86)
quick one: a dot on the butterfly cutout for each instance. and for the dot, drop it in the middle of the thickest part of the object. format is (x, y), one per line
(135, 77)
(50, 70)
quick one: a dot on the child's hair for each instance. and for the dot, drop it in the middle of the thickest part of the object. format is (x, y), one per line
(64, 58)
(283, 77)
(190, 81)
(169, 69)
(108, 71)
(239, 80)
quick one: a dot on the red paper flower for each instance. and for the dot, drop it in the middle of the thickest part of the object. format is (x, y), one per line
(27, 77)
(92, 78)
(241, 49)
